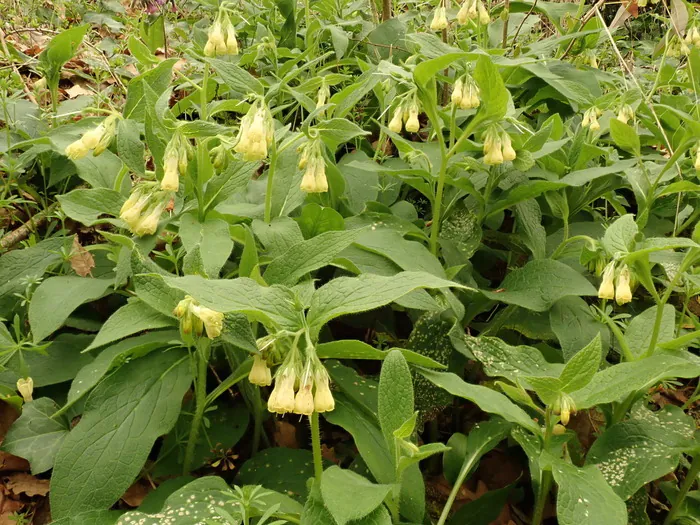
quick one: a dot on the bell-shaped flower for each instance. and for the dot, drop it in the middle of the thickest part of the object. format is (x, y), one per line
(607, 286)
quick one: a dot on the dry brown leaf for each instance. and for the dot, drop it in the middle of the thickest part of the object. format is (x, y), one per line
(135, 494)
(81, 260)
(24, 483)
(12, 463)
(286, 435)
(328, 453)
(77, 90)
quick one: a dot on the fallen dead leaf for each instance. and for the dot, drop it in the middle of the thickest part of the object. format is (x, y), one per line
(77, 90)
(24, 483)
(286, 435)
(12, 463)
(328, 453)
(135, 494)
(81, 260)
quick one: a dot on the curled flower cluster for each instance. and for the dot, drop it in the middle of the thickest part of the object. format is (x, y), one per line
(311, 160)
(465, 94)
(590, 119)
(473, 10)
(222, 38)
(256, 133)
(194, 319)
(625, 114)
(439, 19)
(142, 210)
(498, 147)
(618, 289)
(406, 112)
(563, 407)
(96, 140)
(178, 153)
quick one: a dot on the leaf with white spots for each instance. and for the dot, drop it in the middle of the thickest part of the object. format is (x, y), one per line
(641, 449)
(585, 498)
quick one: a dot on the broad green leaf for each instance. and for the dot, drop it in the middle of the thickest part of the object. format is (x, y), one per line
(503, 360)
(233, 179)
(453, 459)
(520, 193)
(130, 146)
(157, 79)
(337, 484)
(585, 498)
(361, 185)
(416, 456)
(211, 236)
(277, 236)
(236, 78)
(116, 355)
(645, 447)
(494, 95)
(575, 325)
(337, 131)
(102, 171)
(316, 219)
(548, 388)
(619, 237)
(639, 331)
(484, 510)
(35, 436)
(580, 177)
(27, 263)
(488, 400)
(361, 390)
(529, 219)
(408, 255)
(354, 349)
(581, 368)
(619, 380)
(104, 453)
(427, 69)
(56, 298)
(87, 205)
(132, 318)
(625, 136)
(347, 295)
(94, 517)
(395, 396)
(308, 255)
(60, 50)
(539, 284)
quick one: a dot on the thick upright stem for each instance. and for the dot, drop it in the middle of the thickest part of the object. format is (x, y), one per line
(316, 446)
(386, 10)
(201, 357)
(203, 100)
(466, 467)
(270, 177)
(690, 478)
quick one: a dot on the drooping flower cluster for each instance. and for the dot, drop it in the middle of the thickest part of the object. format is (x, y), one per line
(256, 133)
(498, 147)
(260, 374)
(142, 210)
(96, 140)
(406, 112)
(177, 154)
(311, 160)
(324, 93)
(563, 407)
(692, 39)
(625, 114)
(221, 37)
(195, 319)
(697, 156)
(590, 118)
(473, 10)
(618, 288)
(465, 94)
(25, 387)
(439, 18)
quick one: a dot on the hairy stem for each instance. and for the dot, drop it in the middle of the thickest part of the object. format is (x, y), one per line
(270, 177)
(690, 478)
(201, 357)
(316, 446)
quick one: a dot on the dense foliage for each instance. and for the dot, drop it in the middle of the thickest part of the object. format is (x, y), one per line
(444, 236)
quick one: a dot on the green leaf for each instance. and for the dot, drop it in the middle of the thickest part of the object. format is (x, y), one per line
(484, 510)
(581, 368)
(157, 79)
(575, 325)
(233, 179)
(307, 256)
(585, 498)
(56, 298)
(639, 331)
(488, 400)
(625, 136)
(645, 447)
(236, 78)
(337, 484)
(104, 453)
(87, 205)
(211, 236)
(95, 517)
(130, 146)
(337, 131)
(427, 69)
(316, 219)
(277, 236)
(408, 255)
(619, 237)
(35, 436)
(548, 388)
(354, 349)
(248, 265)
(539, 284)
(132, 318)
(494, 95)
(347, 295)
(619, 380)
(140, 52)
(395, 396)
(60, 50)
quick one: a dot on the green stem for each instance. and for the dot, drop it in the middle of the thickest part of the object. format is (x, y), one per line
(316, 446)
(466, 467)
(444, 157)
(546, 481)
(567, 241)
(624, 345)
(690, 478)
(203, 102)
(270, 177)
(201, 357)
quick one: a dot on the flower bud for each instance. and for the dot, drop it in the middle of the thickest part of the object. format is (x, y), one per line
(412, 124)
(559, 430)
(260, 374)
(595, 125)
(304, 401)
(92, 138)
(303, 158)
(25, 386)
(396, 123)
(623, 293)
(322, 96)
(457, 92)
(439, 19)
(77, 150)
(607, 287)
(625, 114)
